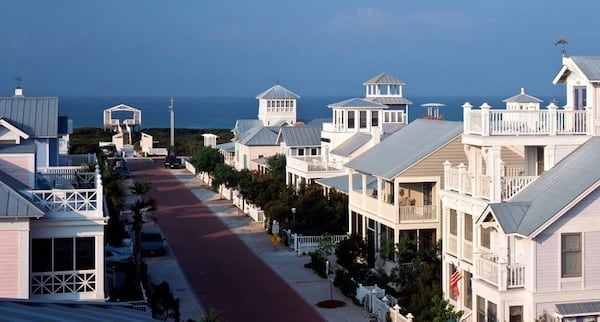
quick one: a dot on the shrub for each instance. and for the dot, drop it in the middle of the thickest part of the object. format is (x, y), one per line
(345, 283)
(318, 263)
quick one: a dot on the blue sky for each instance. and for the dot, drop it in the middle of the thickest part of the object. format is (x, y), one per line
(240, 48)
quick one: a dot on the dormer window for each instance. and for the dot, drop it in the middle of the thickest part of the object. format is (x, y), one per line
(350, 119)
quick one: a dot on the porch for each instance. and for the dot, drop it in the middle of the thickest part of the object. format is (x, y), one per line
(548, 122)
(498, 273)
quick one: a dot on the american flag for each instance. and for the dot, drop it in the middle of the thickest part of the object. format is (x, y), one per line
(454, 278)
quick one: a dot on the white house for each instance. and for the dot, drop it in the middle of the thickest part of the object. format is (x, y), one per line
(519, 218)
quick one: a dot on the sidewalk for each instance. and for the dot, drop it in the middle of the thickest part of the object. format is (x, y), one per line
(286, 263)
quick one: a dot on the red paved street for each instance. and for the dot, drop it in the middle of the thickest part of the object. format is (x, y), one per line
(225, 274)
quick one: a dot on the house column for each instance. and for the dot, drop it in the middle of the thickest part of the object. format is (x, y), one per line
(494, 166)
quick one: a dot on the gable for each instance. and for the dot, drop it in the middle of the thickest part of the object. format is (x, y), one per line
(10, 134)
(433, 164)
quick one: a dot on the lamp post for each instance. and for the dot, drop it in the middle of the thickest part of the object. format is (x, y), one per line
(294, 219)
(172, 112)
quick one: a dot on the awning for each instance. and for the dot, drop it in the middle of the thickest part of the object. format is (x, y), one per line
(578, 309)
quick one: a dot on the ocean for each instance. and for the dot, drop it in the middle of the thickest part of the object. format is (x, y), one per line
(221, 112)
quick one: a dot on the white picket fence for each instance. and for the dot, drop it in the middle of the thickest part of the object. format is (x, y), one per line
(380, 305)
(306, 244)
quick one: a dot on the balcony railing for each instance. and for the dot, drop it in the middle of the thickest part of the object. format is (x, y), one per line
(480, 186)
(63, 189)
(417, 214)
(312, 163)
(77, 159)
(499, 274)
(548, 122)
(63, 282)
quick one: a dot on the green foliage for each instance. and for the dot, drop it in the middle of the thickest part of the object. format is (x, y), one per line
(345, 283)
(187, 141)
(276, 165)
(224, 175)
(351, 254)
(440, 310)
(162, 302)
(206, 159)
(318, 263)
(85, 140)
(213, 316)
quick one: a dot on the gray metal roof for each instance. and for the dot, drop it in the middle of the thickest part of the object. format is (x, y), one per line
(13, 203)
(581, 308)
(30, 310)
(551, 192)
(229, 146)
(384, 79)
(522, 98)
(36, 116)
(277, 92)
(318, 123)
(264, 135)
(391, 128)
(397, 100)
(300, 136)
(352, 144)
(24, 147)
(243, 126)
(406, 147)
(589, 66)
(357, 103)
(340, 183)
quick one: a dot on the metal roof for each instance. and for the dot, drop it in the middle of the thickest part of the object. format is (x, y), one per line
(522, 98)
(36, 116)
(352, 144)
(277, 92)
(13, 203)
(300, 136)
(229, 146)
(406, 147)
(357, 103)
(340, 183)
(394, 100)
(243, 126)
(589, 66)
(581, 308)
(539, 203)
(318, 123)
(263, 135)
(30, 310)
(384, 79)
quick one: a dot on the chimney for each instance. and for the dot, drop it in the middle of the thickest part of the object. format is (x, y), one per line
(18, 91)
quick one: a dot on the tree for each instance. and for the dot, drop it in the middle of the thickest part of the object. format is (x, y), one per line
(139, 188)
(206, 159)
(224, 175)
(351, 254)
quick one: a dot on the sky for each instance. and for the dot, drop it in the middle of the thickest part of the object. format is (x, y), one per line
(312, 47)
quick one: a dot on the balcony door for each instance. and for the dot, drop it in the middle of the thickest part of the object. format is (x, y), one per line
(579, 97)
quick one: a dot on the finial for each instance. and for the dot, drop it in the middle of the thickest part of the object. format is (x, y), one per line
(19, 79)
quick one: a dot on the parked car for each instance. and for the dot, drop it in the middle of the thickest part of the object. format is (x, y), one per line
(152, 242)
(114, 255)
(172, 162)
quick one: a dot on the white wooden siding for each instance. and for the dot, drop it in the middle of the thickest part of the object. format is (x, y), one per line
(548, 263)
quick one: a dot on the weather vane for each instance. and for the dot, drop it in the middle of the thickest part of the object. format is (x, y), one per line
(562, 42)
(19, 79)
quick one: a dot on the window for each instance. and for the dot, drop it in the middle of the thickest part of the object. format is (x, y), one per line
(468, 289)
(571, 255)
(300, 151)
(516, 313)
(468, 227)
(453, 222)
(350, 119)
(374, 118)
(313, 151)
(480, 309)
(580, 97)
(357, 223)
(363, 119)
(427, 193)
(62, 254)
(492, 311)
(485, 237)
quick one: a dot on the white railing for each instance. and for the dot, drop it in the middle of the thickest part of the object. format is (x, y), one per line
(306, 244)
(512, 185)
(547, 122)
(67, 200)
(417, 213)
(499, 274)
(63, 282)
(457, 179)
(380, 305)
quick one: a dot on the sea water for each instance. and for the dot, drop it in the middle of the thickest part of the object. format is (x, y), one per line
(222, 112)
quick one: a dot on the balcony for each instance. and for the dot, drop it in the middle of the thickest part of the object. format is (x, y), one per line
(481, 186)
(62, 190)
(501, 275)
(65, 282)
(417, 214)
(549, 122)
(313, 163)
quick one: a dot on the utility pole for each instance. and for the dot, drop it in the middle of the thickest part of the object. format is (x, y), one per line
(172, 111)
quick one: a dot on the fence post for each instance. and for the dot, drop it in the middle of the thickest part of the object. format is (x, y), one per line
(296, 242)
(410, 317)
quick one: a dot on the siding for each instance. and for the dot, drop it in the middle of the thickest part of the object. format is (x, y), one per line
(19, 167)
(433, 165)
(562, 151)
(512, 158)
(548, 265)
(9, 264)
(592, 259)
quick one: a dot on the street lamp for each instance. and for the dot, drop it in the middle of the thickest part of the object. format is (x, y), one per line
(294, 218)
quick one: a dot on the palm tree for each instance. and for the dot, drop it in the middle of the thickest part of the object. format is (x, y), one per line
(140, 188)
